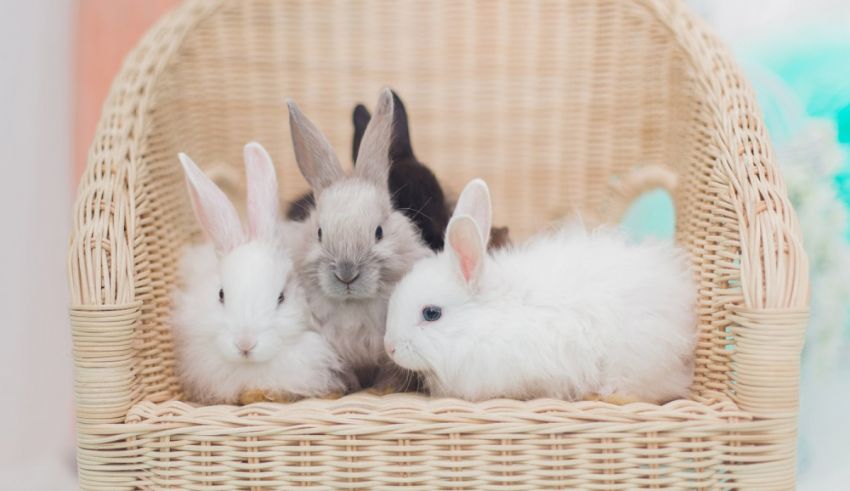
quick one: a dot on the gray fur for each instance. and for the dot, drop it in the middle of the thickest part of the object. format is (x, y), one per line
(313, 152)
(373, 157)
(348, 210)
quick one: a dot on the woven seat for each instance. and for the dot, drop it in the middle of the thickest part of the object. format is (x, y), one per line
(562, 106)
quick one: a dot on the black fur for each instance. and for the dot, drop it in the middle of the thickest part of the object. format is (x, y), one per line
(299, 209)
(414, 188)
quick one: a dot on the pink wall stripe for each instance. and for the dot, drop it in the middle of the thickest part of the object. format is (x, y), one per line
(107, 31)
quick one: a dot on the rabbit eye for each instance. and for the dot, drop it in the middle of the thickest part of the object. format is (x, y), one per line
(221, 295)
(432, 313)
(379, 233)
(280, 298)
(320, 234)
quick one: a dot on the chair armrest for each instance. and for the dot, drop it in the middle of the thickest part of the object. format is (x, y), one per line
(107, 255)
(755, 241)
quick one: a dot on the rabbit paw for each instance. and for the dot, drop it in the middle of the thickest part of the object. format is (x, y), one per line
(381, 390)
(391, 379)
(615, 399)
(251, 396)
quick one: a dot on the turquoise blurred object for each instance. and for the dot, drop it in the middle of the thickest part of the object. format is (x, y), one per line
(814, 69)
(651, 215)
(796, 77)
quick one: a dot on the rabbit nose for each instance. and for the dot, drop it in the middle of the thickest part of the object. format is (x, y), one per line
(346, 273)
(390, 347)
(245, 344)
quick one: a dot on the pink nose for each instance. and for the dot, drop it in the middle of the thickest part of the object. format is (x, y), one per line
(245, 344)
(389, 347)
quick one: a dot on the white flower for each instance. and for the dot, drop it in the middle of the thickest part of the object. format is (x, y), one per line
(809, 161)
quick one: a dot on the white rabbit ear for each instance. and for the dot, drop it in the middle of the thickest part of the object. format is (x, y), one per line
(263, 200)
(313, 152)
(474, 201)
(214, 211)
(373, 157)
(466, 244)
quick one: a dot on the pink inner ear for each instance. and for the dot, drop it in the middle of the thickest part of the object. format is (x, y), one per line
(474, 201)
(257, 228)
(466, 243)
(467, 267)
(262, 192)
(220, 233)
(213, 209)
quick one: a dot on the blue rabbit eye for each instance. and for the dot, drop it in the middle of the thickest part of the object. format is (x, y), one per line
(432, 313)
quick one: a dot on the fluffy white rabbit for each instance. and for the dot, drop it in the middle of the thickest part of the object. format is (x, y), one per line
(243, 331)
(356, 246)
(571, 314)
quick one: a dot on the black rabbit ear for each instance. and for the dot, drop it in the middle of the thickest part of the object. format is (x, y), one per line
(360, 118)
(400, 147)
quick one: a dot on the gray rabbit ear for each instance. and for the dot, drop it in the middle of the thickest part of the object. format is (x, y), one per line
(373, 158)
(475, 202)
(313, 152)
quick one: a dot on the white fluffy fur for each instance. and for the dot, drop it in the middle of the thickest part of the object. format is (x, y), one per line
(569, 314)
(286, 354)
(290, 356)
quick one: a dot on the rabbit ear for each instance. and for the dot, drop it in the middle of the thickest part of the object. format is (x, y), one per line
(360, 118)
(313, 153)
(214, 211)
(475, 202)
(373, 158)
(263, 200)
(400, 147)
(467, 246)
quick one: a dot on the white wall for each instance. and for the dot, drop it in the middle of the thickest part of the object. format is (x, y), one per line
(742, 21)
(36, 409)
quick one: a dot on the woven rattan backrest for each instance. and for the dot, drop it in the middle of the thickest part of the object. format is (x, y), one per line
(554, 103)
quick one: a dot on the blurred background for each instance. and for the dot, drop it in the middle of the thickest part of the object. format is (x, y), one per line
(61, 55)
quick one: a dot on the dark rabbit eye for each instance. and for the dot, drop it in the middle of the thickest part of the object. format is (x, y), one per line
(280, 298)
(320, 234)
(221, 295)
(379, 233)
(432, 313)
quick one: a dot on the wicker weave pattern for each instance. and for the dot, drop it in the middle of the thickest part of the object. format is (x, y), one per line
(561, 106)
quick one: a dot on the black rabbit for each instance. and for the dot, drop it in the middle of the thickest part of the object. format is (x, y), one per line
(414, 188)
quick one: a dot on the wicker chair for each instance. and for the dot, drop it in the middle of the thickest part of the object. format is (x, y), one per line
(561, 106)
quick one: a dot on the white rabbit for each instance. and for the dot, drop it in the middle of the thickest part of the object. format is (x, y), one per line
(571, 314)
(241, 321)
(356, 246)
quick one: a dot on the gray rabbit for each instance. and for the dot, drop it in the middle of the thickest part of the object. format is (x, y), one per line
(355, 246)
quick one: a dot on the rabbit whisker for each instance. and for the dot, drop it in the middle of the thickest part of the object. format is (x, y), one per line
(419, 211)
(431, 374)
(400, 189)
